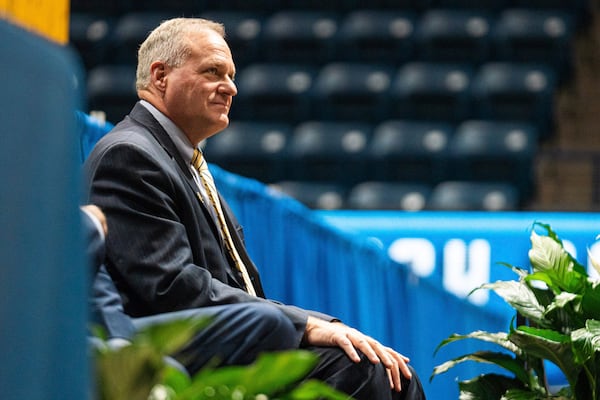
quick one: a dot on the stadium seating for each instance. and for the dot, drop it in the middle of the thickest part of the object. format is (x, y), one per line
(373, 36)
(253, 149)
(410, 151)
(431, 91)
(416, 78)
(315, 195)
(300, 36)
(515, 91)
(329, 151)
(351, 91)
(494, 151)
(274, 92)
(539, 36)
(451, 35)
(473, 196)
(111, 88)
(377, 195)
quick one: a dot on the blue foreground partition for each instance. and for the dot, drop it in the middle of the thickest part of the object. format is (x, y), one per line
(400, 277)
(43, 277)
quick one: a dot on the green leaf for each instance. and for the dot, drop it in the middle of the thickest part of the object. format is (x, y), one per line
(168, 337)
(521, 298)
(518, 394)
(499, 338)
(591, 300)
(313, 389)
(565, 312)
(128, 373)
(501, 359)
(264, 376)
(487, 387)
(548, 345)
(547, 255)
(586, 341)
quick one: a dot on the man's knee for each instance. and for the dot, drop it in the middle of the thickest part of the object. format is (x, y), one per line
(267, 324)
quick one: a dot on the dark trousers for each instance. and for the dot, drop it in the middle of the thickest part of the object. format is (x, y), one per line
(363, 380)
(239, 332)
(236, 334)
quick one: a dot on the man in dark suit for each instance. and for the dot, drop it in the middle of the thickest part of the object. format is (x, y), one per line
(175, 245)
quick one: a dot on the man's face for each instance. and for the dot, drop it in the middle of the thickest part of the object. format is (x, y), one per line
(198, 94)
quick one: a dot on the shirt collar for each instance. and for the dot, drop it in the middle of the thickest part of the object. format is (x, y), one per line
(182, 143)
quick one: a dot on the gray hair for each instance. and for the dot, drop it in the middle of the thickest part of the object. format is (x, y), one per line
(168, 43)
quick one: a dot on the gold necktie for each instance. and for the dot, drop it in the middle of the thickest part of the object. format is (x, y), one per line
(211, 191)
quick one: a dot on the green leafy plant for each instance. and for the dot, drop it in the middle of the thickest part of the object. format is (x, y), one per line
(141, 370)
(559, 321)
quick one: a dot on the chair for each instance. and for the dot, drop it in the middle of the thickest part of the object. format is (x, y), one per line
(513, 91)
(131, 29)
(495, 151)
(274, 92)
(533, 35)
(409, 151)
(299, 36)
(351, 91)
(376, 195)
(453, 36)
(473, 196)
(315, 195)
(373, 36)
(111, 88)
(243, 33)
(100, 8)
(431, 91)
(483, 5)
(253, 149)
(329, 151)
(89, 35)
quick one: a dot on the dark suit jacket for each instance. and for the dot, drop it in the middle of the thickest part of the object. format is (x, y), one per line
(164, 252)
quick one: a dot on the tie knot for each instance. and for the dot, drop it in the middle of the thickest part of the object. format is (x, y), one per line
(198, 160)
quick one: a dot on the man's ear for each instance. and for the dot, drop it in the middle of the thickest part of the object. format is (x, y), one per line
(158, 74)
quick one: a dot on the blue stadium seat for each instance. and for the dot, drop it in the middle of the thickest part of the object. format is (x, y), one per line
(431, 91)
(514, 91)
(329, 151)
(111, 88)
(495, 151)
(89, 35)
(473, 196)
(243, 33)
(376, 35)
(252, 149)
(453, 36)
(351, 91)
(315, 195)
(131, 29)
(258, 6)
(275, 92)
(409, 151)
(533, 35)
(100, 7)
(489, 5)
(378, 195)
(300, 36)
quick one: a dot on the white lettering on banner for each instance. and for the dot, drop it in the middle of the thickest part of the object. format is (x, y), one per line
(416, 252)
(466, 268)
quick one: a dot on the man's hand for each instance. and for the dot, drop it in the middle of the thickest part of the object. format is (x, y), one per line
(97, 212)
(324, 333)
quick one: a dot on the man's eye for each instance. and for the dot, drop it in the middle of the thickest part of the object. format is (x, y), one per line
(213, 71)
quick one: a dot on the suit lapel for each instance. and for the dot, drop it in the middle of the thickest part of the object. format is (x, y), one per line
(142, 116)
